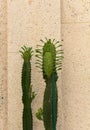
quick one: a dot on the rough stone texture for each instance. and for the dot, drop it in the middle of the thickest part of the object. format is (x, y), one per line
(76, 65)
(75, 11)
(3, 65)
(28, 22)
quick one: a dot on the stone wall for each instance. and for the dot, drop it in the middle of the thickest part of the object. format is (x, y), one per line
(76, 66)
(3, 64)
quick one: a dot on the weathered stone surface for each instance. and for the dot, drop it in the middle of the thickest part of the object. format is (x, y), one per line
(3, 65)
(76, 65)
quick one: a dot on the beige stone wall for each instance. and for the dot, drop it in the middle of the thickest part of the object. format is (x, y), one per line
(3, 64)
(76, 65)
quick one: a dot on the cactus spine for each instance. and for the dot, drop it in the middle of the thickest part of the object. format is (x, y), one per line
(28, 95)
(49, 59)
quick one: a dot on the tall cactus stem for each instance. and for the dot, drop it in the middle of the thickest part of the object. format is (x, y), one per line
(26, 54)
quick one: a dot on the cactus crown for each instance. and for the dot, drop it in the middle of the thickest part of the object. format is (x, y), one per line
(49, 57)
(26, 53)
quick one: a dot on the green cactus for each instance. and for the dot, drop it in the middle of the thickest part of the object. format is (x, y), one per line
(39, 114)
(49, 59)
(28, 95)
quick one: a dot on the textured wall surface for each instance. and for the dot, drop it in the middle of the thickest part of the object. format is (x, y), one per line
(76, 66)
(28, 22)
(3, 65)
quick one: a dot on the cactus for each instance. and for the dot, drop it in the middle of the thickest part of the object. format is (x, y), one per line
(49, 59)
(39, 114)
(28, 95)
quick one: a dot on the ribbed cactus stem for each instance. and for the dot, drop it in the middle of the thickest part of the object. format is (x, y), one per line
(47, 105)
(27, 89)
(50, 104)
(50, 65)
(26, 81)
(54, 102)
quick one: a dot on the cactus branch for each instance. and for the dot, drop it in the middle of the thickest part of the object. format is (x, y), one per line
(28, 95)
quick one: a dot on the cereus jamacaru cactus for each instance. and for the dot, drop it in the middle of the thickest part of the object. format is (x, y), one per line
(28, 95)
(49, 59)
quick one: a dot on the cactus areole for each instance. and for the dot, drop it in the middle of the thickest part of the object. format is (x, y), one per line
(49, 59)
(28, 95)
